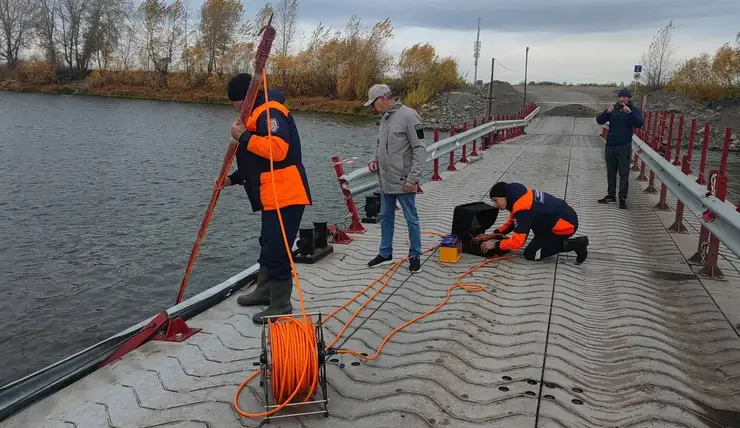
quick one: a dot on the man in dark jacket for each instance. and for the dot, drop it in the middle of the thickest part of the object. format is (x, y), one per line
(274, 280)
(551, 219)
(623, 118)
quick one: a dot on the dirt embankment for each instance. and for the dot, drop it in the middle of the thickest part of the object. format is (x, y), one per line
(720, 114)
(462, 106)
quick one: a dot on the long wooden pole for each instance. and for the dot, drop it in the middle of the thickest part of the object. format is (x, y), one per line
(263, 52)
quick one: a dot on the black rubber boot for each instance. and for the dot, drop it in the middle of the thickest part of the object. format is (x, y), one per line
(261, 294)
(280, 292)
(579, 245)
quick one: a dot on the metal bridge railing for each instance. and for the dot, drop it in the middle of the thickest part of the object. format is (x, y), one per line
(656, 150)
(490, 133)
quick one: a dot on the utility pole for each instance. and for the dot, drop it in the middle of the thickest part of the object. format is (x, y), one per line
(526, 62)
(490, 89)
(476, 54)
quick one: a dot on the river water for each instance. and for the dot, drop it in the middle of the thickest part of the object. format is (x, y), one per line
(101, 203)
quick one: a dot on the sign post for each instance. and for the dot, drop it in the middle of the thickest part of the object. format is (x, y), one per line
(637, 73)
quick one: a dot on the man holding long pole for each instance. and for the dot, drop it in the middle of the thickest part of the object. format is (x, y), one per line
(274, 280)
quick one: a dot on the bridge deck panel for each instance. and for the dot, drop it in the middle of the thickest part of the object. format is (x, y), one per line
(632, 329)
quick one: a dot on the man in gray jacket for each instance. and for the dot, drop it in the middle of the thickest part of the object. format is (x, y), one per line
(399, 157)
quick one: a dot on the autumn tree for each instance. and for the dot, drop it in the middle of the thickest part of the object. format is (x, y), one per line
(16, 28)
(726, 65)
(163, 31)
(414, 62)
(657, 62)
(424, 74)
(366, 57)
(219, 28)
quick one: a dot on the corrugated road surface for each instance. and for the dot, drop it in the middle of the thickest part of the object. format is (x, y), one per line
(631, 338)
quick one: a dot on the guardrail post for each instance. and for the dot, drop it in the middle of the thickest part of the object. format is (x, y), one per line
(646, 138)
(435, 175)
(663, 203)
(451, 166)
(520, 130)
(704, 150)
(690, 143)
(464, 157)
(485, 142)
(718, 180)
(700, 257)
(678, 225)
(474, 152)
(356, 226)
(679, 138)
(656, 135)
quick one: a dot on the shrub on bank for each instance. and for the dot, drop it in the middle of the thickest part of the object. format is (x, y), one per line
(707, 78)
(37, 72)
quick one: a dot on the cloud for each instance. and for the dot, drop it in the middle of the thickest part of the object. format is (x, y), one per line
(542, 16)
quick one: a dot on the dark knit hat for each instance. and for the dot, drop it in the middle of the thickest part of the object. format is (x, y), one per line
(625, 92)
(238, 86)
(498, 190)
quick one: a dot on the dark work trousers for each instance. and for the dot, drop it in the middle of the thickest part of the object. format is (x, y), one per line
(272, 252)
(545, 244)
(618, 159)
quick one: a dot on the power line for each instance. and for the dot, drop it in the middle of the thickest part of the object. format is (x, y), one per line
(507, 68)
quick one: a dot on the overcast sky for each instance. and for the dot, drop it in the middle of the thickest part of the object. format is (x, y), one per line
(602, 45)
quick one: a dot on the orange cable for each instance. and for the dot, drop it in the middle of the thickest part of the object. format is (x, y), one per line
(293, 347)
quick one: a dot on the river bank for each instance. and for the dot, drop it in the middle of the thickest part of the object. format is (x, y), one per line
(308, 104)
(447, 110)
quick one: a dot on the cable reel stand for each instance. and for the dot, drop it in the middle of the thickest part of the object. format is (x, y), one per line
(267, 375)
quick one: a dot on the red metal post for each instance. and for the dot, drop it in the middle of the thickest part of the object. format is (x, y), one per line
(451, 166)
(677, 160)
(656, 136)
(701, 251)
(435, 175)
(356, 226)
(474, 152)
(483, 140)
(704, 151)
(663, 203)
(711, 269)
(725, 152)
(464, 157)
(646, 139)
(690, 143)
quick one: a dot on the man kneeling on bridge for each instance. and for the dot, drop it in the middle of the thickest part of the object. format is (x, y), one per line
(551, 219)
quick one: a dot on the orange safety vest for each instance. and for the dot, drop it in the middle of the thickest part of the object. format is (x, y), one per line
(253, 161)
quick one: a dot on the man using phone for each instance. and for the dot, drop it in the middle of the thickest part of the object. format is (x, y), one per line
(623, 118)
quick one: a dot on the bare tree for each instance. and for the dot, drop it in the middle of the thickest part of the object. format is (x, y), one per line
(16, 28)
(70, 33)
(45, 21)
(163, 30)
(286, 24)
(657, 63)
(263, 15)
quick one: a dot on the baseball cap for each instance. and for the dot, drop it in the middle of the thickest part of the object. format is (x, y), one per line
(376, 91)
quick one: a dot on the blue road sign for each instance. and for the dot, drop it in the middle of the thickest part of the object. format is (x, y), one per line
(638, 69)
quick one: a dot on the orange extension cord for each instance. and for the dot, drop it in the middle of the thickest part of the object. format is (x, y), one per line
(293, 355)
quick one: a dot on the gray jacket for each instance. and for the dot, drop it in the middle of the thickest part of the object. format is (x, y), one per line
(400, 152)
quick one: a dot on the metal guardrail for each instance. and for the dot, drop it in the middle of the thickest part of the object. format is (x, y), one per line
(363, 180)
(724, 221)
(663, 149)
